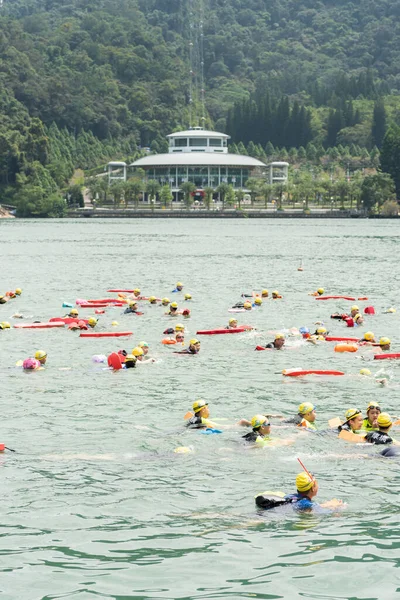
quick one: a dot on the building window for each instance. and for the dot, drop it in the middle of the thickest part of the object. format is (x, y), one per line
(215, 142)
(181, 142)
(176, 150)
(197, 141)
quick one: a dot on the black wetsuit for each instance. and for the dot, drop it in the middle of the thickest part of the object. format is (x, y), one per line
(378, 437)
(188, 351)
(344, 427)
(251, 437)
(129, 310)
(196, 422)
(293, 420)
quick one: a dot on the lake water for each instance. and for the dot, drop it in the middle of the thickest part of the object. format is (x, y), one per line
(95, 504)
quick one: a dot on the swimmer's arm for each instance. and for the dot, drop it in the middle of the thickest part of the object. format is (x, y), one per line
(333, 504)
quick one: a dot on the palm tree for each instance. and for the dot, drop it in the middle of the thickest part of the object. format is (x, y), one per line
(133, 189)
(166, 195)
(239, 197)
(266, 190)
(187, 187)
(117, 189)
(252, 184)
(222, 190)
(208, 196)
(152, 189)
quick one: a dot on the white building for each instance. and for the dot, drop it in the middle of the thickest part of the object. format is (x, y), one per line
(202, 157)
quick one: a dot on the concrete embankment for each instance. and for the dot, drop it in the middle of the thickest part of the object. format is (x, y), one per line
(101, 213)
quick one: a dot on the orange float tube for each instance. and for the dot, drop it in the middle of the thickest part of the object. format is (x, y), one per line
(346, 348)
(168, 341)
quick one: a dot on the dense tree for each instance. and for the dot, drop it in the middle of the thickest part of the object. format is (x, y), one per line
(378, 129)
(390, 156)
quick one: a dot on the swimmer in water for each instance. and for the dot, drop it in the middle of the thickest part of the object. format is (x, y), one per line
(276, 295)
(302, 500)
(129, 361)
(200, 418)
(261, 428)
(194, 347)
(138, 353)
(319, 335)
(73, 313)
(188, 297)
(5, 325)
(131, 308)
(381, 436)
(165, 301)
(371, 421)
(173, 309)
(264, 293)
(319, 292)
(257, 301)
(233, 323)
(305, 417)
(353, 421)
(247, 305)
(92, 322)
(152, 300)
(367, 339)
(41, 356)
(278, 342)
(179, 287)
(384, 344)
(367, 373)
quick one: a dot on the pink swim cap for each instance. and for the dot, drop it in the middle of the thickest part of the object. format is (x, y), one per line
(30, 364)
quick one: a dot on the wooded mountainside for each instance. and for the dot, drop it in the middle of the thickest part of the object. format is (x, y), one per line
(83, 81)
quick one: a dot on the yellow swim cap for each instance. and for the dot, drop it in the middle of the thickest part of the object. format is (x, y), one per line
(357, 317)
(275, 293)
(174, 305)
(182, 450)
(368, 336)
(130, 358)
(365, 372)
(320, 291)
(136, 291)
(152, 299)
(73, 311)
(391, 310)
(188, 296)
(198, 405)
(384, 420)
(351, 413)
(373, 404)
(304, 482)
(179, 327)
(305, 408)
(257, 300)
(132, 303)
(384, 341)
(179, 284)
(355, 307)
(194, 341)
(40, 354)
(279, 336)
(137, 351)
(321, 330)
(92, 321)
(165, 301)
(18, 291)
(5, 325)
(264, 293)
(143, 345)
(114, 323)
(258, 421)
(232, 321)
(247, 305)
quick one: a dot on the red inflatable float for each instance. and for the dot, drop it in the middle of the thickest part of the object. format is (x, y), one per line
(341, 339)
(221, 331)
(116, 291)
(100, 334)
(104, 301)
(101, 304)
(384, 356)
(335, 298)
(67, 320)
(262, 348)
(39, 325)
(301, 372)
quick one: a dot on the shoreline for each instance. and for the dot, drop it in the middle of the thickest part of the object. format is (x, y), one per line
(99, 213)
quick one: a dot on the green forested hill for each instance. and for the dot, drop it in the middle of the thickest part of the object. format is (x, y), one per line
(84, 80)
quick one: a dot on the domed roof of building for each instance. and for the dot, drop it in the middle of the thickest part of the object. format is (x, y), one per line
(198, 159)
(198, 132)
